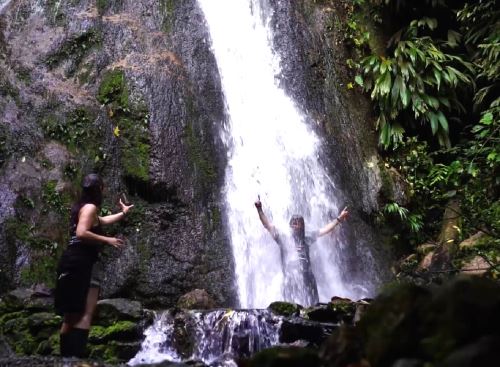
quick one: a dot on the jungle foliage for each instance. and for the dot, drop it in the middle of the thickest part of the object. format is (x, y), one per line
(436, 94)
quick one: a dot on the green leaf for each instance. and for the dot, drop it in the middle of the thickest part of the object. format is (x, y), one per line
(358, 79)
(433, 119)
(453, 38)
(385, 84)
(487, 118)
(404, 94)
(443, 121)
(396, 87)
(437, 75)
(492, 156)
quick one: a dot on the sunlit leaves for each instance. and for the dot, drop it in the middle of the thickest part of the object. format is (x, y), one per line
(418, 77)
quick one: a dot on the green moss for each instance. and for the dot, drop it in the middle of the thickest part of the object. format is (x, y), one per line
(200, 159)
(41, 270)
(102, 6)
(27, 334)
(43, 252)
(113, 89)
(167, 8)
(11, 316)
(53, 199)
(24, 74)
(343, 307)
(108, 352)
(5, 144)
(216, 218)
(131, 124)
(74, 130)
(135, 146)
(14, 328)
(144, 256)
(118, 331)
(75, 49)
(105, 5)
(285, 308)
(7, 89)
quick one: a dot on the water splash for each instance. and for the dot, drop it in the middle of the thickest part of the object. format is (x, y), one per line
(272, 152)
(216, 337)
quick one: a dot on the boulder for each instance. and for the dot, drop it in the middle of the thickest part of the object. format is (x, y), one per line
(285, 308)
(284, 357)
(425, 248)
(27, 298)
(426, 262)
(476, 266)
(197, 299)
(472, 241)
(109, 311)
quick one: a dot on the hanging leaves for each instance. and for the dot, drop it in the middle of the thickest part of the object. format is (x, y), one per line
(417, 77)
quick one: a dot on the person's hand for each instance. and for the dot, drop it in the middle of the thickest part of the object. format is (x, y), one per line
(343, 215)
(116, 242)
(125, 208)
(258, 204)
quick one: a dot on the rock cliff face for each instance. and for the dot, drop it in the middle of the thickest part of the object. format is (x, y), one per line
(130, 89)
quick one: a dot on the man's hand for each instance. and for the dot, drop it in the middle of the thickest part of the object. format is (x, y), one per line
(258, 204)
(343, 215)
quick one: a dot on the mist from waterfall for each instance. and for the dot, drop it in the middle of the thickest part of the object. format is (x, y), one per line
(272, 152)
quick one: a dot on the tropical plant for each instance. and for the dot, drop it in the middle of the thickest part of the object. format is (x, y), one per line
(418, 82)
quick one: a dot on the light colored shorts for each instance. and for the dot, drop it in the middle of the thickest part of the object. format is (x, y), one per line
(97, 274)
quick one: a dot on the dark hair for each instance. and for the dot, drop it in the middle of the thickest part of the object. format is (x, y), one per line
(92, 186)
(297, 218)
(298, 232)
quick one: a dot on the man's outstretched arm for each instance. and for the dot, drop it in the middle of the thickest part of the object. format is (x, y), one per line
(330, 226)
(263, 218)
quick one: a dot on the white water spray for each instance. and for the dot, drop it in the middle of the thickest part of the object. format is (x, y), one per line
(217, 337)
(272, 153)
(3, 4)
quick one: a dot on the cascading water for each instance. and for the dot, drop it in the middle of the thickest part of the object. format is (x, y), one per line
(272, 152)
(3, 4)
(215, 337)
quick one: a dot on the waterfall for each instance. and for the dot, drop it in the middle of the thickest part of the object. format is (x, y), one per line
(3, 4)
(272, 152)
(216, 337)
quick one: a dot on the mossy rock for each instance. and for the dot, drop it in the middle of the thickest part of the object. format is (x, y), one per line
(284, 357)
(113, 310)
(122, 331)
(334, 312)
(285, 308)
(131, 124)
(114, 352)
(43, 324)
(430, 324)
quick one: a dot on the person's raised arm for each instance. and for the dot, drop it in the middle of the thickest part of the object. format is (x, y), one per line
(87, 215)
(330, 226)
(263, 218)
(112, 218)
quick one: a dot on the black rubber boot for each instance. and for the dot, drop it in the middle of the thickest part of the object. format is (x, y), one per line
(74, 343)
(79, 339)
(64, 347)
